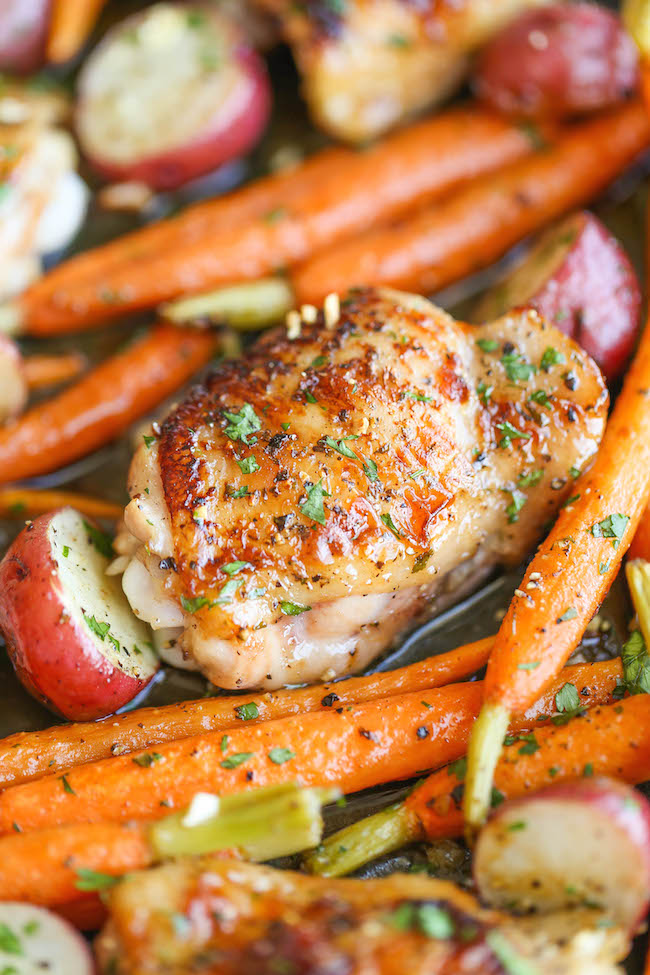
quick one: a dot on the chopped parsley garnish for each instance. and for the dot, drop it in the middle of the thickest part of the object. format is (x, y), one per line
(518, 500)
(223, 744)
(10, 943)
(313, 507)
(417, 474)
(540, 397)
(248, 711)
(516, 367)
(248, 465)
(636, 664)
(91, 880)
(567, 698)
(147, 759)
(66, 785)
(234, 761)
(484, 392)
(551, 358)
(613, 526)
(603, 567)
(275, 215)
(241, 425)
(341, 447)
(531, 478)
(429, 919)
(293, 609)
(421, 562)
(232, 568)
(529, 665)
(281, 755)
(194, 605)
(574, 472)
(487, 345)
(569, 613)
(570, 501)
(310, 397)
(236, 493)
(285, 426)
(458, 768)
(99, 629)
(66, 551)
(507, 955)
(99, 539)
(390, 525)
(370, 469)
(419, 397)
(320, 360)
(227, 592)
(530, 746)
(510, 433)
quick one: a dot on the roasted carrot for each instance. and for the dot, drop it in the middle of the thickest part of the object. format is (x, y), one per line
(472, 228)
(567, 579)
(29, 755)
(70, 26)
(42, 371)
(101, 405)
(353, 747)
(56, 866)
(47, 867)
(27, 503)
(274, 222)
(608, 740)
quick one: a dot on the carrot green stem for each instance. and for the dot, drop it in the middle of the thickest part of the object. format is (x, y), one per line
(261, 825)
(248, 306)
(482, 756)
(351, 847)
(637, 572)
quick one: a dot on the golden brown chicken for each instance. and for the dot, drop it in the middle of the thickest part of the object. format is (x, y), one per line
(368, 64)
(218, 917)
(306, 505)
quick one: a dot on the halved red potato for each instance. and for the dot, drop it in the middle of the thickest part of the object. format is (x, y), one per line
(557, 61)
(34, 940)
(579, 277)
(578, 843)
(23, 32)
(13, 387)
(169, 94)
(70, 632)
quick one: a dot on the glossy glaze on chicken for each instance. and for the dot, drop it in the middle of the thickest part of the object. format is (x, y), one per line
(307, 504)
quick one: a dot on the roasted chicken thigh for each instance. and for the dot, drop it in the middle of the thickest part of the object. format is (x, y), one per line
(307, 504)
(369, 64)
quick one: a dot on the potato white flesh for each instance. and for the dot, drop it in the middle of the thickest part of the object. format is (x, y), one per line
(34, 941)
(584, 843)
(170, 93)
(95, 599)
(71, 635)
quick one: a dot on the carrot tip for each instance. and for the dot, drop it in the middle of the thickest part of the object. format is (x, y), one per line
(483, 753)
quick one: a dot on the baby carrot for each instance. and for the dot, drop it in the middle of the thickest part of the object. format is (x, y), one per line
(31, 754)
(28, 503)
(101, 405)
(41, 371)
(272, 223)
(353, 747)
(608, 740)
(470, 229)
(567, 579)
(70, 25)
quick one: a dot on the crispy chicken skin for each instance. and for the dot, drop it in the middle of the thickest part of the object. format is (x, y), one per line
(210, 916)
(368, 64)
(309, 503)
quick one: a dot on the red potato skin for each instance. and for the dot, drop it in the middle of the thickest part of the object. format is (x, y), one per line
(23, 33)
(619, 802)
(52, 656)
(558, 61)
(594, 295)
(238, 126)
